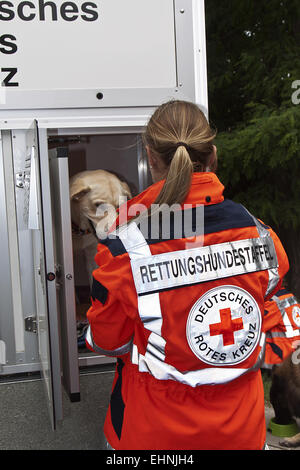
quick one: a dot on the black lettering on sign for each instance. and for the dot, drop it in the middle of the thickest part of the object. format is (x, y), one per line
(43, 5)
(86, 8)
(5, 13)
(152, 272)
(8, 47)
(68, 8)
(21, 14)
(11, 73)
(144, 273)
(47, 10)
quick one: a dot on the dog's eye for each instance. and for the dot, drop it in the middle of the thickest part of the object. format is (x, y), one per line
(102, 209)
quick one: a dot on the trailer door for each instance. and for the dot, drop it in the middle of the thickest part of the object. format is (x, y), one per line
(45, 272)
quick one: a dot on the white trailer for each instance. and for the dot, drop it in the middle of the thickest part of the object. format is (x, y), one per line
(79, 82)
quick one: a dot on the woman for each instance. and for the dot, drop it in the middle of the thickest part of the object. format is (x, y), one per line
(184, 314)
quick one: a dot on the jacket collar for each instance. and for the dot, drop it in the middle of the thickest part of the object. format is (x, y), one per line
(206, 189)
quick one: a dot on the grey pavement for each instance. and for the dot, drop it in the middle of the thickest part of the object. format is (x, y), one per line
(25, 424)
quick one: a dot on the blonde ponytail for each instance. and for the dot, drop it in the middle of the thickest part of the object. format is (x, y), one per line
(178, 179)
(180, 136)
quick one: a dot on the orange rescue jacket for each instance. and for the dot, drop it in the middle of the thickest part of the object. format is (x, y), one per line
(185, 317)
(282, 326)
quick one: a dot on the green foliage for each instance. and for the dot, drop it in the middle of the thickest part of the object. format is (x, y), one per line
(253, 59)
(260, 166)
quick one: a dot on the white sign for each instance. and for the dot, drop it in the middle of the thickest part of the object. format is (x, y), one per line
(208, 263)
(87, 45)
(84, 44)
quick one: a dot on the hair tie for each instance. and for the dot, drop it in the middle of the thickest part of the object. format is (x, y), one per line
(179, 144)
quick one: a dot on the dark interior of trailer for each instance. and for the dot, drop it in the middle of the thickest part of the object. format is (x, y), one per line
(119, 154)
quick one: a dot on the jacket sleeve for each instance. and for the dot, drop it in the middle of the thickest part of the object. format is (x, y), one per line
(283, 266)
(272, 317)
(282, 336)
(110, 329)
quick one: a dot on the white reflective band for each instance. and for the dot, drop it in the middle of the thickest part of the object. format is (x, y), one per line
(162, 371)
(201, 264)
(137, 247)
(148, 307)
(262, 353)
(156, 347)
(150, 313)
(287, 302)
(273, 280)
(262, 340)
(113, 353)
(272, 271)
(290, 332)
(276, 334)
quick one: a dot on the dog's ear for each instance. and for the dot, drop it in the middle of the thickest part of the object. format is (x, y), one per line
(125, 190)
(78, 190)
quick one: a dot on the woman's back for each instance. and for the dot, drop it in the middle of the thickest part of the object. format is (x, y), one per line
(180, 301)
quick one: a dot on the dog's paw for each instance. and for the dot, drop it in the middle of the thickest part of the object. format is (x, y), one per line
(293, 441)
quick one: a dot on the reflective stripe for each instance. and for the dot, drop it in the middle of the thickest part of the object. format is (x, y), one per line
(137, 247)
(261, 355)
(107, 446)
(290, 332)
(162, 371)
(150, 313)
(148, 307)
(114, 353)
(274, 277)
(273, 280)
(156, 347)
(276, 334)
(287, 302)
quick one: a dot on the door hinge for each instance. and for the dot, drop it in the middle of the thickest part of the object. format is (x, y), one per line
(31, 324)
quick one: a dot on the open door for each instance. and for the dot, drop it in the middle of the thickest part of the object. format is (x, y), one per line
(45, 272)
(59, 179)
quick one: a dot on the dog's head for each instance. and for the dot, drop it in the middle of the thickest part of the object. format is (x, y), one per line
(95, 197)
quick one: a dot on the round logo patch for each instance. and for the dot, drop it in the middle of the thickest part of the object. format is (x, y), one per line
(296, 315)
(223, 326)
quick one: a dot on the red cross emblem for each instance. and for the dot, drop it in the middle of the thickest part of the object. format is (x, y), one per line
(226, 327)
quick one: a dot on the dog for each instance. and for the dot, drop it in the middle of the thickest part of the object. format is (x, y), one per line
(94, 197)
(285, 394)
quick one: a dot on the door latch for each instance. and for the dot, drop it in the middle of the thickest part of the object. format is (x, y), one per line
(31, 324)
